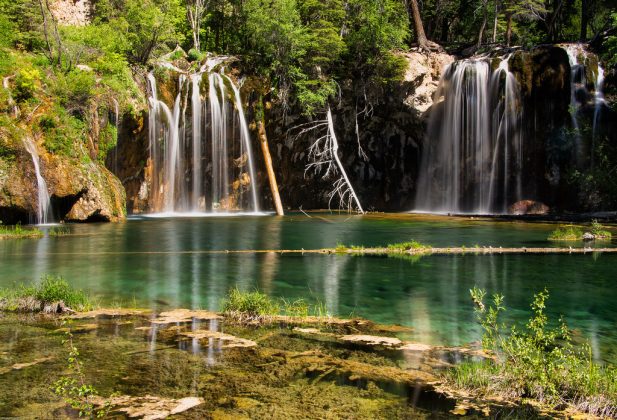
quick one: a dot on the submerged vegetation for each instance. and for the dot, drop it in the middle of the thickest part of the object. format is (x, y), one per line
(19, 232)
(536, 361)
(53, 294)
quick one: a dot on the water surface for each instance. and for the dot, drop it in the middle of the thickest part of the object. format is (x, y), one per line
(161, 263)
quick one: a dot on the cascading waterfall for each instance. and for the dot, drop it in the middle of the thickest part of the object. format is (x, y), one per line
(43, 205)
(472, 161)
(198, 163)
(580, 96)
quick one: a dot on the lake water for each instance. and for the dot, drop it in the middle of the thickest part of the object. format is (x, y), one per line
(161, 262)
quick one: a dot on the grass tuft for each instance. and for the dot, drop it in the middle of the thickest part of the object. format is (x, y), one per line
(19, 232)
(59, 231)
(407, 246)
(35, 298)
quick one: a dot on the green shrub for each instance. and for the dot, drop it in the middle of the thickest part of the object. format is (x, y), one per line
(27, 81)
(600, 231)
(536, 361)
(193, 55)
(566, 233)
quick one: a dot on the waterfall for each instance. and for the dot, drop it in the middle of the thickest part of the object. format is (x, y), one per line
(472, 160)
(580, 96)
(198, 162)
(577, 84)
(599, 103)
(43, 205)
(245, 140)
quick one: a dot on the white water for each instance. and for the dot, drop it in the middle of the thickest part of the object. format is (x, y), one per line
(190, 159)
(472, 161)
(43, 202)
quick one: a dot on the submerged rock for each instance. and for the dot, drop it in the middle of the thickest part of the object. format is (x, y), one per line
(148, 407)
(184, 315)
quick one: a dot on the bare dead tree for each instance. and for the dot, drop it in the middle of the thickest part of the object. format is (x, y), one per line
(324, 161)
(195, 10)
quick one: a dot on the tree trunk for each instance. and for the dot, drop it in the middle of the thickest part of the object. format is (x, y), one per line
(584, 19)
(481, 34)
(265, 149)
(509, 29)
(495, 21)
(417, 24)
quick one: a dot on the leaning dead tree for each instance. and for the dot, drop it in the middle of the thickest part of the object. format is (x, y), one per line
(324, 161)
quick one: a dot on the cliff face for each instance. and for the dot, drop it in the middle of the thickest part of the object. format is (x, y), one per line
(382, 135)
(80, 191)
(379, 140)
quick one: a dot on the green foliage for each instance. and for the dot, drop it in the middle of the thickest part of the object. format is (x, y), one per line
(27, 82)
(58, 231)
(566, 233)
(56, 289)
(108, 138)
(252, 304)
(611, 44)
(256, 305)
(18, 231)
(600, 231)
(63, 132)
(50, 290)
(73, 388)
(407, 246)
(536, 361)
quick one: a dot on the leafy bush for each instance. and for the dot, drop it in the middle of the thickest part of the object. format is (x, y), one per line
(27, 82)
(536, 361)
(566, 233)
(600, 231)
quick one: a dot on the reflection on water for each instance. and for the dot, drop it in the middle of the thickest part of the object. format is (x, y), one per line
(152, 263)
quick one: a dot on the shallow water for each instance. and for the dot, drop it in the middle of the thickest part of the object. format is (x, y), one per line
(160, 263)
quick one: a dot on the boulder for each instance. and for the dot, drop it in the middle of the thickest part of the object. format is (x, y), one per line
(524, 207)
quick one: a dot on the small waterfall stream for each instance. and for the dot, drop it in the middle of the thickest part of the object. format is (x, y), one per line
(43, 203)
(204, 162)
(472, 161)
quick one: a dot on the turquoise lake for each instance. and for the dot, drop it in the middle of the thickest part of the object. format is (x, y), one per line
(163, 262)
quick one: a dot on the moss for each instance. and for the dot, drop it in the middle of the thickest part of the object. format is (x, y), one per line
(566, 233)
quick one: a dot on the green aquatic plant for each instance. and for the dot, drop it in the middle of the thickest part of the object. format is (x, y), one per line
(57, 231)
(536, 361)
(35, 298)
(407, 246)
(19, 232)
(566, 233)
(256, 305)
(250, 304)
